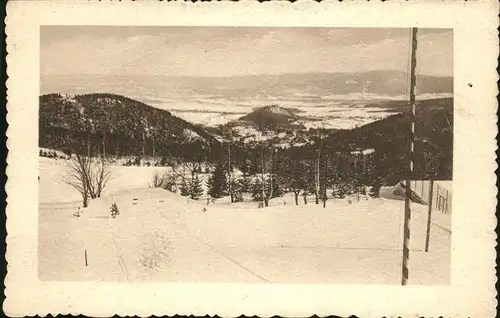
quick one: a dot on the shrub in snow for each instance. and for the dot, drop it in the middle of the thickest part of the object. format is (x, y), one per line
(362, 190)
(256, 191)
(78, 212)
(164, 181)
(245, 182)
(114, 210)
(260, 193)
(275, 189)
(338, 192)
(237, 191)
(166, 162)
(238, 197)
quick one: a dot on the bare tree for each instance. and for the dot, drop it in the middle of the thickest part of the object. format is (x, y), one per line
(77, 176)
(100, 174)
(87, 175)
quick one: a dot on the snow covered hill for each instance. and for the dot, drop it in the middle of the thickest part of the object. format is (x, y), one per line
(115, 125)
(271, 117)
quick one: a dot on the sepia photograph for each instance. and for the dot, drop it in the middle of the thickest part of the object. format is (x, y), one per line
(251, 159)
(238, 154)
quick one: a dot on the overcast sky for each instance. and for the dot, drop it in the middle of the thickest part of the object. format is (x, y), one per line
(229, 51)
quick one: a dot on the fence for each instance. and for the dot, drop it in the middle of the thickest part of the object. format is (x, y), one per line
(441, 194)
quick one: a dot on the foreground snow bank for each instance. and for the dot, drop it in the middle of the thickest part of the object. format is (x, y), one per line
(160, 236)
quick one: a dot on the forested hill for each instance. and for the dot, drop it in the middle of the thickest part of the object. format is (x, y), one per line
(117, 125)
(390, 137)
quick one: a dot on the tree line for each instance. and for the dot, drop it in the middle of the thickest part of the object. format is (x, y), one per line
(329, 165)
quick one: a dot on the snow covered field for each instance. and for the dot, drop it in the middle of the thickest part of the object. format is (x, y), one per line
(160, 236)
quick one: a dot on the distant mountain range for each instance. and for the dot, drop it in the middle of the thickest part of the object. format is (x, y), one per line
(383, 83)
(330, 99)
(389, 83)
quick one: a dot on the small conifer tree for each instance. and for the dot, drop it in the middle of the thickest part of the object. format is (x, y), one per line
(114, 210)
(217, 183)
(184, 188)
(237, 191)
(195, 188)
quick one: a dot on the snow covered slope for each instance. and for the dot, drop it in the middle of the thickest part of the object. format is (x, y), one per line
(160, 236)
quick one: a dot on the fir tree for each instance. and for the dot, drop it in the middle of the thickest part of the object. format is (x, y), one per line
(184, 188)
(237, 191)
(217, 183)
(246, 170)
(256, 191)
(338, 191)
(245, 183)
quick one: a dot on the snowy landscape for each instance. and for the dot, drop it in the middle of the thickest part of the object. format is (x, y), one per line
(279, 169)
(161, 236)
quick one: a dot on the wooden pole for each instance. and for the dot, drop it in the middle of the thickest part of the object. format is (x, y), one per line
(437, 197)
(446, 203)
(229, 168)
(429, 215)
(86, 262)
(407, 211)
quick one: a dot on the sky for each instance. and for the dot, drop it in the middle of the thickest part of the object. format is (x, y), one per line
(234, 51)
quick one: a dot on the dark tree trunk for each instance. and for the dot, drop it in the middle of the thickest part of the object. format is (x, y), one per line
(88, 144)
(104, 146)
(154, 152)
(85, 200)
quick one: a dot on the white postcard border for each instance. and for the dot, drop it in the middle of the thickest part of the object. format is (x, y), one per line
(471, 292)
